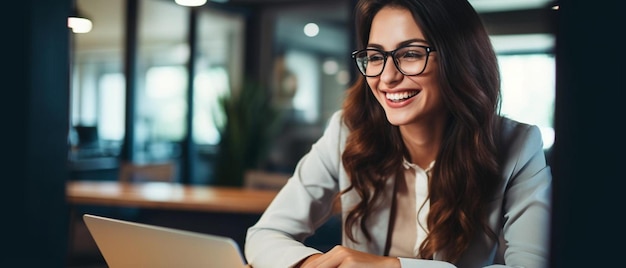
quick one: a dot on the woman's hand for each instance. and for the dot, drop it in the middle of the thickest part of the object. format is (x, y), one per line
(345, 257)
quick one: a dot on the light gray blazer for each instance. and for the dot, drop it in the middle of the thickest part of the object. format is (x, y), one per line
(519, 213)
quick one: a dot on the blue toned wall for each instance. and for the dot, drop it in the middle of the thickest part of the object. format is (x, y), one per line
(34, 132)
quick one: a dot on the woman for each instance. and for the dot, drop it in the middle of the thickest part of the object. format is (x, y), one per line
(426, 172)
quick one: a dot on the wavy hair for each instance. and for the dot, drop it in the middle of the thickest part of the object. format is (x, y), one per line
(467, 168)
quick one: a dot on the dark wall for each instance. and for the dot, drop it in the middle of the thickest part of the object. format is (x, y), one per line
(526, 21)
(589, 148)
(34, 108)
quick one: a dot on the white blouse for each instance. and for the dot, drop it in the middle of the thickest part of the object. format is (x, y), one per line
(412, 205)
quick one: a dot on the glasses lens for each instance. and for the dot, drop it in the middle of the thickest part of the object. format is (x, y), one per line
(411, 60)
(370, 62)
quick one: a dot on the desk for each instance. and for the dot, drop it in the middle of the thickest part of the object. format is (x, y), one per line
(177, 197)
(228, 202)
(171, 196)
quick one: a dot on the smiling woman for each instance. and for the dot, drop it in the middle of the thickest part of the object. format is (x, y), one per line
(426, 171)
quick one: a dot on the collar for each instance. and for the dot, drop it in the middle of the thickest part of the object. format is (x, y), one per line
(408, 165)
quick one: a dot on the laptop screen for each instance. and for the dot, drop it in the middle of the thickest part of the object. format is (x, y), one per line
(130, 244)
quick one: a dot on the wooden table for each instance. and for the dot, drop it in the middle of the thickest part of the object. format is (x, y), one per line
(162, 196)
(170, 196)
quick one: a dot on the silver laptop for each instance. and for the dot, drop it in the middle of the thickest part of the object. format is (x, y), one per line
(129, 244)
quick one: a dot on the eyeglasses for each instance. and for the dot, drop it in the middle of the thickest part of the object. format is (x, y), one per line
(410, 60)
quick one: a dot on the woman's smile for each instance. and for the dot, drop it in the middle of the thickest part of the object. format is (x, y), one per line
(401, 96)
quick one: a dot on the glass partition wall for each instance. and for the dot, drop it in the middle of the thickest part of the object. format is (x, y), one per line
(161, 86)
(310, 69)
(97, 91)
(161, 83)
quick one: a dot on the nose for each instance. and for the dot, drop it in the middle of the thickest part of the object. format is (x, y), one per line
(391, 73)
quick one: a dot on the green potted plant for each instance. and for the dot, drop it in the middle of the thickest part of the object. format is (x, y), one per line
(250, 123)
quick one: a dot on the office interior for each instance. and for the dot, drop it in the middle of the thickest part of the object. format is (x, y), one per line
(170, 65)
(165, 106)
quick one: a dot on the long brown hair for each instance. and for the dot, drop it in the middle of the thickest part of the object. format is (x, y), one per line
(467, 168)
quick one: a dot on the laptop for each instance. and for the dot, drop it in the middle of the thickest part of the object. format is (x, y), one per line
(129, 244)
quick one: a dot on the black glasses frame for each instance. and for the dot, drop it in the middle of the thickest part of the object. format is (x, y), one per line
(392, 53)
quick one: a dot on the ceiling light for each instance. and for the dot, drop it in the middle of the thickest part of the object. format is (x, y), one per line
(79, 25)
(330, 67)
(78, 22)
(311, 29)
(499, 5)
(190, 3)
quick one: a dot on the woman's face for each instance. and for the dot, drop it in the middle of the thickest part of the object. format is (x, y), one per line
(405, 99)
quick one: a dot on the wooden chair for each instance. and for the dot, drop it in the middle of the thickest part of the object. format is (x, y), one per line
(158, 172)
(259, 179)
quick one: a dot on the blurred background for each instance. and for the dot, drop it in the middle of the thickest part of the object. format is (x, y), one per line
(154, 84)
(152, 80)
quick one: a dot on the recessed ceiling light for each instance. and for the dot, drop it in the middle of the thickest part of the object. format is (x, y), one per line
(190, 3)
(311, 29)
(500, 5)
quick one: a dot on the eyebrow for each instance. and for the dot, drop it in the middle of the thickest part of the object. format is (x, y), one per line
(401, 44)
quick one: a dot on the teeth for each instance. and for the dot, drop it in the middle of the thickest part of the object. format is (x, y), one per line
(400, 95)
